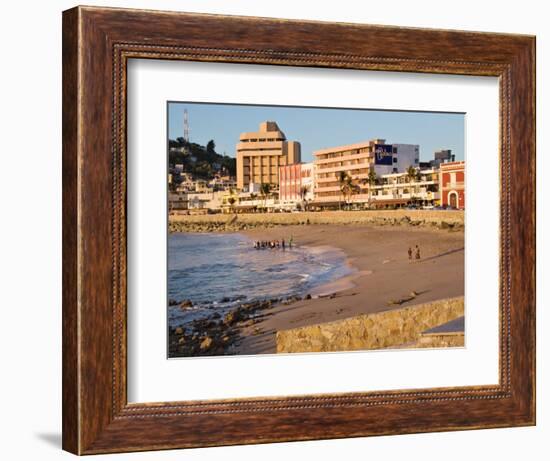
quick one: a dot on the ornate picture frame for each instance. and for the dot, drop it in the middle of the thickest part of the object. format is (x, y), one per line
(97, 44)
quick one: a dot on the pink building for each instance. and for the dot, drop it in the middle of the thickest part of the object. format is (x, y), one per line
(451, 185)
(296, 183)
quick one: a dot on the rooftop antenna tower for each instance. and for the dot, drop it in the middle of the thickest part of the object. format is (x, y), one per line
(186, 125)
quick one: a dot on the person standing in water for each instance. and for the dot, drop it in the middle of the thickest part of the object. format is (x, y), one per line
(410, 254)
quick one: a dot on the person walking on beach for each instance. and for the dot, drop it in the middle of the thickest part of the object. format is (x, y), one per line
(283, 243)
(417, 252)
(410, 254)
(290, 242)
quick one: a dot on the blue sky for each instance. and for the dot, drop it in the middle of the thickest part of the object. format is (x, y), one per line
(317, 128)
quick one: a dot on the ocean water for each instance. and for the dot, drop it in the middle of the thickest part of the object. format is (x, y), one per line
(219, 271)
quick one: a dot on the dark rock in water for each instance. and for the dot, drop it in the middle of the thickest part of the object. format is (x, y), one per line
(216, 315)
(250, 306)
(186, 303)
(172, 302)
(178, 331)
(308, 296)
(230, 299)
(265, 304)
(212, 324)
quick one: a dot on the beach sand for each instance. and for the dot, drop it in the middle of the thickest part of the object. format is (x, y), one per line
(383, 273)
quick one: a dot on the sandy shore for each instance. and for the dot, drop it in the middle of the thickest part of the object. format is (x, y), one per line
(383, 273)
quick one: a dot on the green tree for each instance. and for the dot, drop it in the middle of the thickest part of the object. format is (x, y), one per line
(265, 189)
(343, 180)
(412, 175)
(303, 193)
(352, 190)
(211, 147)
(347, 187)
(371, 180)
(231, 201)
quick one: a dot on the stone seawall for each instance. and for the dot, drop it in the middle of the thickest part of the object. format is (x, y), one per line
(440, 340)
(452, 220)
(394, 328)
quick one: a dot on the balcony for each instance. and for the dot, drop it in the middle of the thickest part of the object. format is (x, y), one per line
(342, 158)
(454, 185)
(350, 168)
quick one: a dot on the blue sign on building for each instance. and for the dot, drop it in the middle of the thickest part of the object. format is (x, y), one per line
(383, 154)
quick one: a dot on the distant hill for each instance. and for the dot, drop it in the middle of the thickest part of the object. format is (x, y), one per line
(201, 161)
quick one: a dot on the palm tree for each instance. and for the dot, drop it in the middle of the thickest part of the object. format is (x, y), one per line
(231, 201)
(303, 193)
(352, 190)
(371, 180)
(347, 187)
(265, 189)
(343, 181)
(412, 175)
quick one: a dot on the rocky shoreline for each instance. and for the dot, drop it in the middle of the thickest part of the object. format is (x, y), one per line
(219, 335)
(236, 225)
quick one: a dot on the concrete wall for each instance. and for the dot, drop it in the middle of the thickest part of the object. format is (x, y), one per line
(220, 222)
(440, 340)
(393, 328)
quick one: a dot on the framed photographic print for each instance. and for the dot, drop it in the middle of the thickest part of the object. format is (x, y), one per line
(284, 230)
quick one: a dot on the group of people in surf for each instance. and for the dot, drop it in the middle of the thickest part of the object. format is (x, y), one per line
(273, 244)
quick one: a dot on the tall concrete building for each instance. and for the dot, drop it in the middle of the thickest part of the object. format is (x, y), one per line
(442, 156)
(261, 153)
(357, 160)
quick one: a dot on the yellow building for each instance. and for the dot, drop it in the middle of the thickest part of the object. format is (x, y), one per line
(261, 153)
